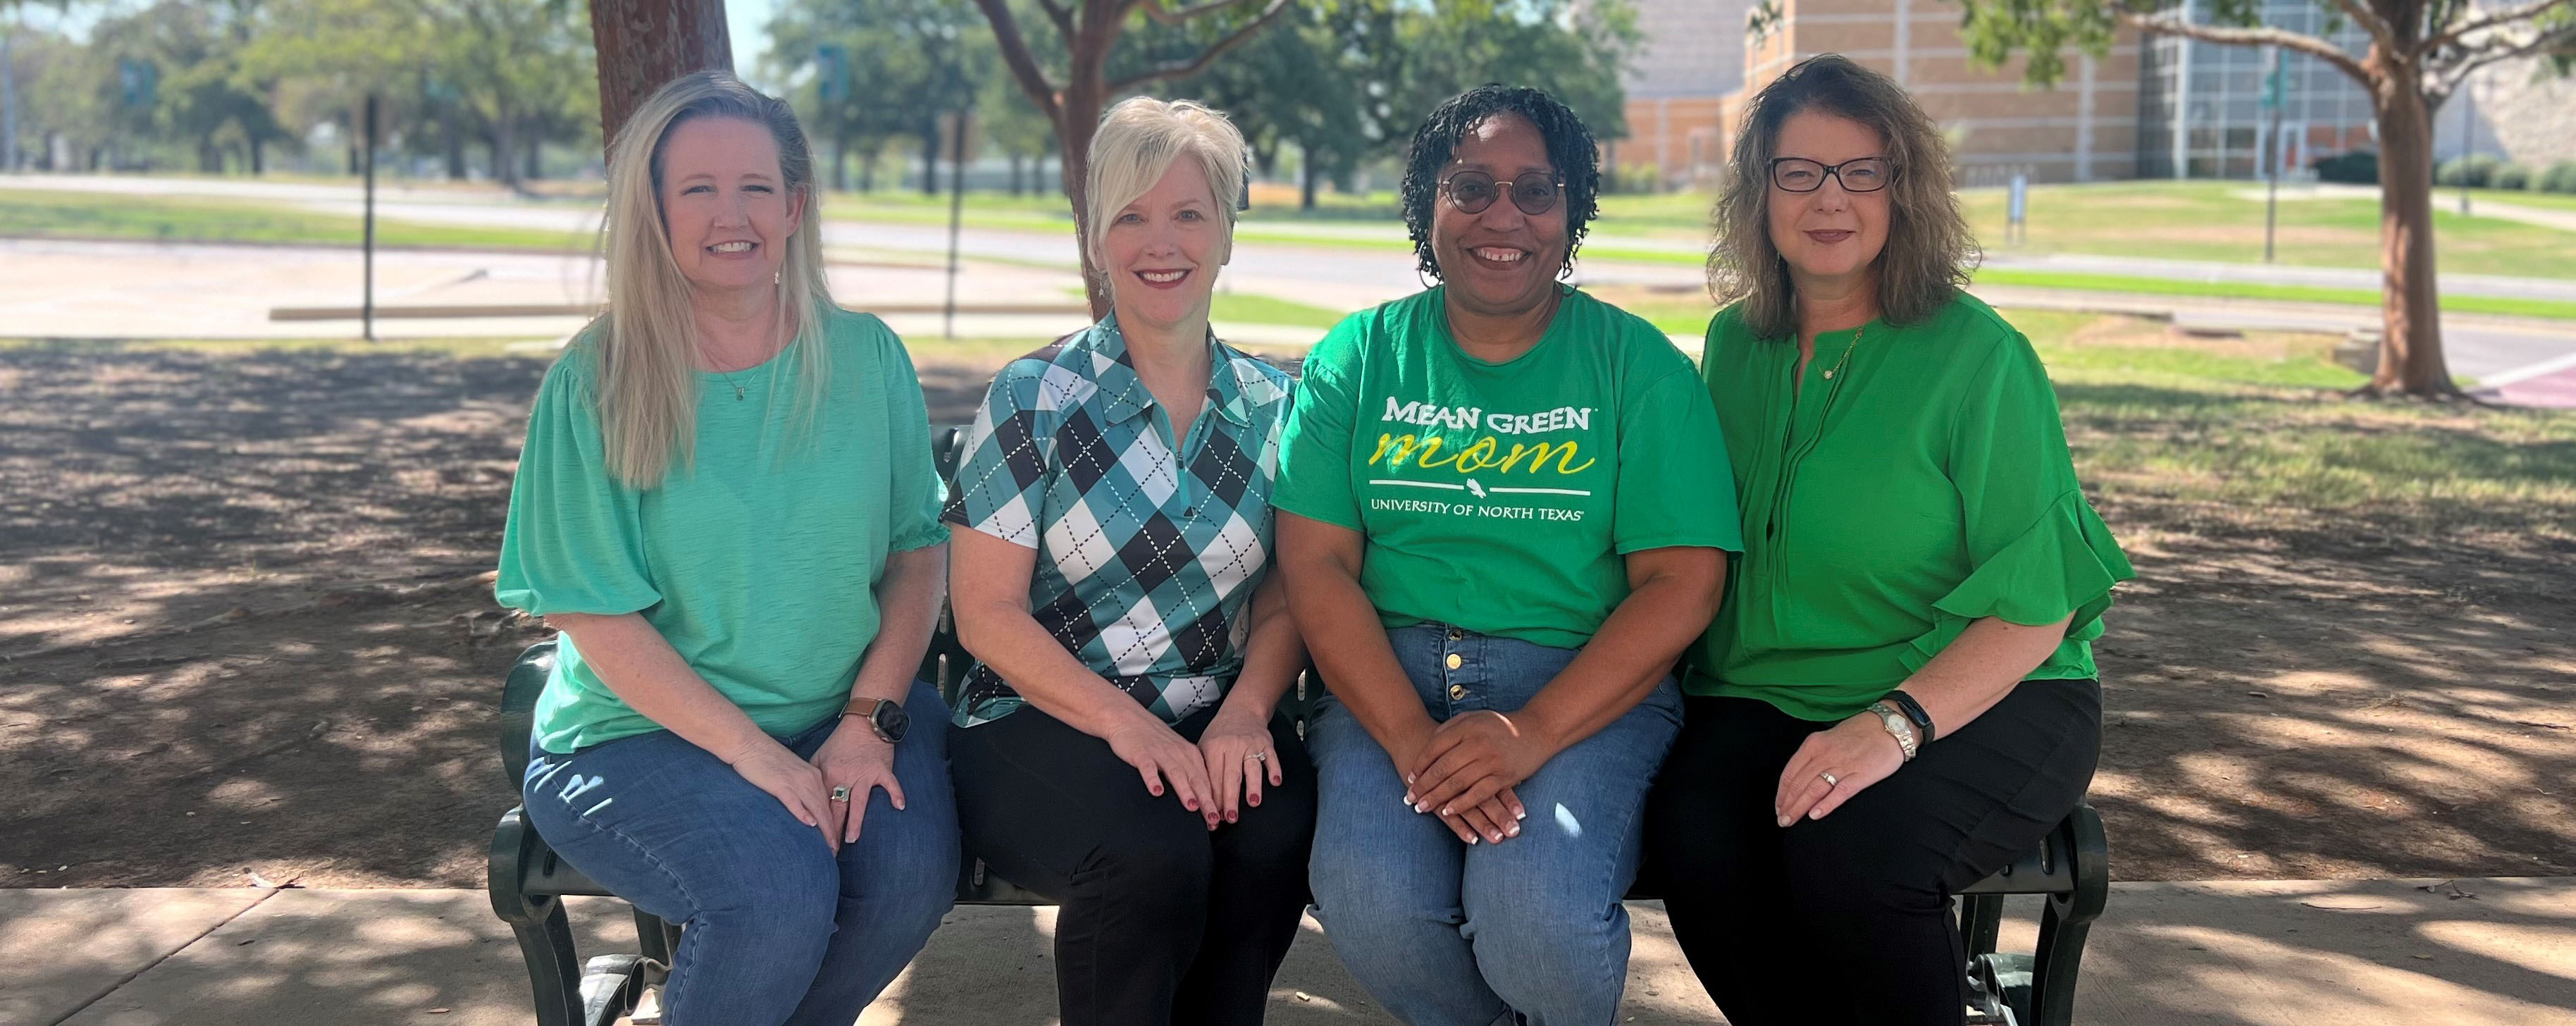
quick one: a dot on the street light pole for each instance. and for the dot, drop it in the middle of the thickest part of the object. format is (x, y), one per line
(2274, 86)
(2468, 141)
(367, 302)
(8, 99)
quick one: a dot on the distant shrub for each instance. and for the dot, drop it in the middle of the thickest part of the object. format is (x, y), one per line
(2511, 176)
(2473, 171)
(2561, 177)
(2359, 167)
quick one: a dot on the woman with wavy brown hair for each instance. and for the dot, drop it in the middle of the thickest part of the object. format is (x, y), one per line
(1898, 696)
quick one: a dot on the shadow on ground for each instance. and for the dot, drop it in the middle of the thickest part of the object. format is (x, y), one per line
(2342, 698)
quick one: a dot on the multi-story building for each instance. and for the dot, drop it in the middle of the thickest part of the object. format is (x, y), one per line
(2084, 130)
(1692, 58)
(2201, 112)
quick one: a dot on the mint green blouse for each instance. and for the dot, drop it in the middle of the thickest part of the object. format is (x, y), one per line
(757, 561)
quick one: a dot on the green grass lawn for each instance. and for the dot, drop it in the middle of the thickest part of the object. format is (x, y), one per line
(2224, 221)
(49, 213)
(2267, 436)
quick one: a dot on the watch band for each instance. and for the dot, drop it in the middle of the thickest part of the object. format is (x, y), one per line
(872, 710)
(1897, 726)
(1914, 711)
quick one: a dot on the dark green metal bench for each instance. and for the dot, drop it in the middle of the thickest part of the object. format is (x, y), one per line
(527, 881)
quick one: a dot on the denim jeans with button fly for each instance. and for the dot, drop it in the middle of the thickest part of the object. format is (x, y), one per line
(1529, 930)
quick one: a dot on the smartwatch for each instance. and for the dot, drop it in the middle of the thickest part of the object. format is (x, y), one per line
(885, 716)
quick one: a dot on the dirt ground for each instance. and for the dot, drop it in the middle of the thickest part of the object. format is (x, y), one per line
(241, 637)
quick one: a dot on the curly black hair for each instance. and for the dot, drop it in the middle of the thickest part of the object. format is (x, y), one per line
(1569, 147)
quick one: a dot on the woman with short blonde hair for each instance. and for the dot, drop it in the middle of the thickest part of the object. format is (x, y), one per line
(1118, 748)
(1898, 696)
(727, 505)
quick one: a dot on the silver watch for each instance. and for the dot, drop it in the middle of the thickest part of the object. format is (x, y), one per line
(1898, 726)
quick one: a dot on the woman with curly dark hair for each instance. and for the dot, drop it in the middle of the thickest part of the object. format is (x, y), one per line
(1899, 694)
(1504, 510)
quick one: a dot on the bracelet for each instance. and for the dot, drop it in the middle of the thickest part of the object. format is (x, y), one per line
(1914, 711)
(1898, 727)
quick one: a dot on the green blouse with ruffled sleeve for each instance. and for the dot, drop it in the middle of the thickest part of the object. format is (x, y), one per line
(1919, 480)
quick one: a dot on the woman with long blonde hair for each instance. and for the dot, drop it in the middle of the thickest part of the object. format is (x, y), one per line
(727, 505)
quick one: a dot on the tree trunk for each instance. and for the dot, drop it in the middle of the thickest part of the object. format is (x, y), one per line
(841, 162)
(645, 43)
(2410, 353)
(868, 167)
(505, 150)
(930, 155)
(451, 126)
(1309, 171)
(1016, 184)
(532, 160)
(258, 160)
(1080, 121)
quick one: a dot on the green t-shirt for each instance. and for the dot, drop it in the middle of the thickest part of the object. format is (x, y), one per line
(1926, 485)
(757, 561)
(1499, 497)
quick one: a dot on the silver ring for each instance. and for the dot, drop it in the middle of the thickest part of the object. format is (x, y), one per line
(841, 793)
(1257, 757)
(1831, 781)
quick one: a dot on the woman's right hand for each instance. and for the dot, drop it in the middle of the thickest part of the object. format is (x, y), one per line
(1494, 820)
(1161, 756)
(796, 783)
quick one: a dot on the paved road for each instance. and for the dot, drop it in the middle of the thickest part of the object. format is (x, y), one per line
(84, 289)
(444, 204)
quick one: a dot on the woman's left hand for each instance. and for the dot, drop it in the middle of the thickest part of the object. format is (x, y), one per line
(1472, 757)
(1857, 752)
(1229, 745)
(856, 758)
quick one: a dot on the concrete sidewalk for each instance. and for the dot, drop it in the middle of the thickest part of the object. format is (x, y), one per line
(2496, 952)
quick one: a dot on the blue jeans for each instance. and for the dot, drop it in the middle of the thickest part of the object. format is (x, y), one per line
(1530, 930)
(779, 931)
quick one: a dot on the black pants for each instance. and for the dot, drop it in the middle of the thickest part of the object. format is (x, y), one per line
(1162, 920)
(1846, 919)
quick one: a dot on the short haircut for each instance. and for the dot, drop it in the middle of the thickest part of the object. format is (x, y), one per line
(1929, 253)
(1136, 145)
(1569, 149)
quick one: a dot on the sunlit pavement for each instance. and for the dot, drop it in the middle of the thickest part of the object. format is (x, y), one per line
(2491, 952)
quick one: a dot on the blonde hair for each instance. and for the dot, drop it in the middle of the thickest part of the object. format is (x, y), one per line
(646, 341)
(1929, 253)
(1136, 145)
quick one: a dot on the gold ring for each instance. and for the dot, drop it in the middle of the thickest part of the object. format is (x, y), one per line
(841, 793)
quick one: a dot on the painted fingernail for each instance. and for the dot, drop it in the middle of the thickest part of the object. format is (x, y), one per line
(1447, 811)
(1471, 838)
(1784, 821)
(1408, 778)
(1422, 806)
(1408, 797)
(1520, 813)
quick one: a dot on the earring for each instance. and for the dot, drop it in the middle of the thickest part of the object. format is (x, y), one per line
(773, 277)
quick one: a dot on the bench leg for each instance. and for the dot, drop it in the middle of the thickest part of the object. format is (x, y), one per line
(1981, 920)
(2069, 918)
(2061, 959)
(545, 943)
(544, 934)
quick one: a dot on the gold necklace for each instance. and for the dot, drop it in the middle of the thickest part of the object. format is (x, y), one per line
(1855, 344)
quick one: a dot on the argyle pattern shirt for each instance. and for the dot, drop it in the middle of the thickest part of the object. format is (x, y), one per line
(1147, 558)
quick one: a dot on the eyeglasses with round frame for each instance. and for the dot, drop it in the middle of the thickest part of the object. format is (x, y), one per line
(1798, 174)
(1473, 191)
